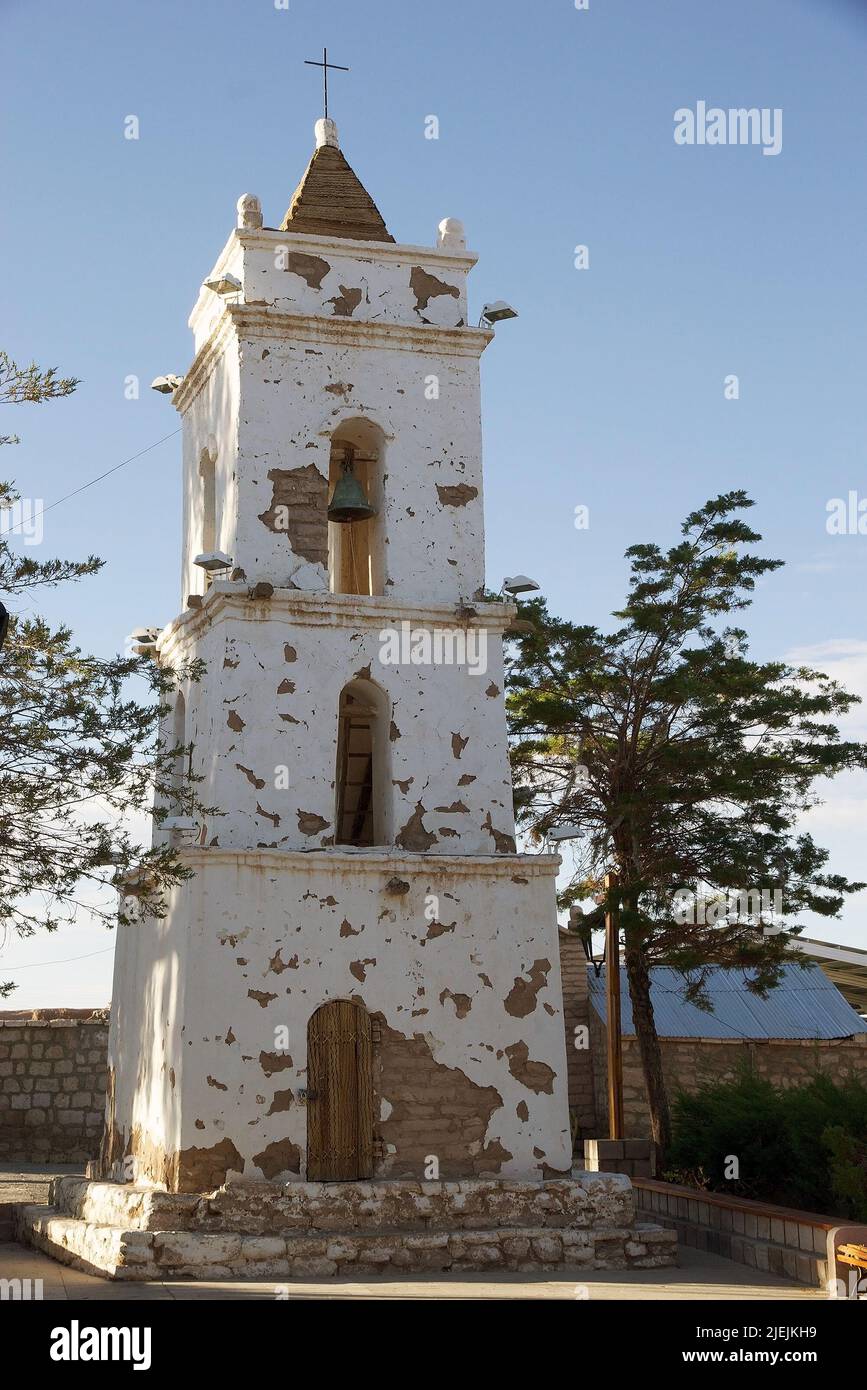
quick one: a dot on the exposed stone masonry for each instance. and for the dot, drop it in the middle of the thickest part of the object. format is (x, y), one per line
(315, 1230)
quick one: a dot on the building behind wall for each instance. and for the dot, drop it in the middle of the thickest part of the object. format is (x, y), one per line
(805, 1025)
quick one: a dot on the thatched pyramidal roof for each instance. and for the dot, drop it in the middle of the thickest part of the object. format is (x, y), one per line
(331, 200)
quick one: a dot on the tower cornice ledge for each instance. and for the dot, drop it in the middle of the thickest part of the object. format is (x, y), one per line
(318, 608)
(267, 238)
(374, 861)
(264, 321)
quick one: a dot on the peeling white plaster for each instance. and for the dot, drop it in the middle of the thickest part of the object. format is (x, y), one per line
(275, 920)
(299, 910)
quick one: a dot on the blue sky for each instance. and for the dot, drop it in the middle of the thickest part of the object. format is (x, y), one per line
(556, 129)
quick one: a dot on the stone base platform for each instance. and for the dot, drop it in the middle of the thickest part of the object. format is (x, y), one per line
(262, 1230)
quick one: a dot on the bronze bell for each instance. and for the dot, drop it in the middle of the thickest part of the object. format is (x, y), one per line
(348, 502)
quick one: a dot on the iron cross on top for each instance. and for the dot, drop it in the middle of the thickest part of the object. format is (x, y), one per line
(325, 65)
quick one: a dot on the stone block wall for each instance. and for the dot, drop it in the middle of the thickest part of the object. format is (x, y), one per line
(52, 1084)
(688, 1063)
(579, 1059)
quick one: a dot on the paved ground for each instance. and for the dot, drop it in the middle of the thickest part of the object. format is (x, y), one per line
(701, 1276)
(29, 1182)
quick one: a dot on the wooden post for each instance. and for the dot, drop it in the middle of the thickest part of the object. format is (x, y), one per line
(612, 990)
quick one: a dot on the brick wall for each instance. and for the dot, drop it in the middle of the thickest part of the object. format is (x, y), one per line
(576, 1014)
(52, 1084)
(689, 1062)
(794, 1244)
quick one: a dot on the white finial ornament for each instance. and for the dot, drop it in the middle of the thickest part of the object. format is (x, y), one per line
(325, 131)
(452, 236)
(249, 212)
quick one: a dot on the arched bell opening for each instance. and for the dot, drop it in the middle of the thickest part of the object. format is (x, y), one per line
(356, 543)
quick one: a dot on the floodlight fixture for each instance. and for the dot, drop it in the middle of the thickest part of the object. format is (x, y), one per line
(497, 312)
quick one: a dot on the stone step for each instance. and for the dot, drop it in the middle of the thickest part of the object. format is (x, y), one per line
(585, 1200)
(138, 1254)
(123, 1204)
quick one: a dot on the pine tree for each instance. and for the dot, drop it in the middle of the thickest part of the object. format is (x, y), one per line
(686, 765)
(79, 755)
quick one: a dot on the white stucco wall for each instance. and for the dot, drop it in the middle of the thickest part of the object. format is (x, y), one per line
(283, 364)
(301, 273)
(145, 1045)
(263, 939)
(264, 719)
(322, 334)
(211, 424)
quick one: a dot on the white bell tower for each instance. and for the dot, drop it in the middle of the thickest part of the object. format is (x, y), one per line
(361, 977)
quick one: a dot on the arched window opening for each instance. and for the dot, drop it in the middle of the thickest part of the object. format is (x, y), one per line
(361, 814)
(356, 563)
(208, 475)
(179, 734)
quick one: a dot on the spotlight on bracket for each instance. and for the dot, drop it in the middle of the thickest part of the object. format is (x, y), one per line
(564, 832)
(224, 283)
(496, 313)
(212, 561)
(185, 826)
(166, 384)
(143, 640)
(519, 584)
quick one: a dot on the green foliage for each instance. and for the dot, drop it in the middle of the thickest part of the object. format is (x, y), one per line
(848, 1166)
(79, 755)
(686, 765)
(33, 384)
(803, 1146)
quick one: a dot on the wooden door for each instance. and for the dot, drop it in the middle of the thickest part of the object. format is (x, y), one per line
(339, 1093)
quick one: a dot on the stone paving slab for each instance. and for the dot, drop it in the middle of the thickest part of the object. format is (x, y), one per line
(701, 1277)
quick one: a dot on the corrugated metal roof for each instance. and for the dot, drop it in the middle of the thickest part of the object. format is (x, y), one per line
(805, 1004)
(845, 966)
